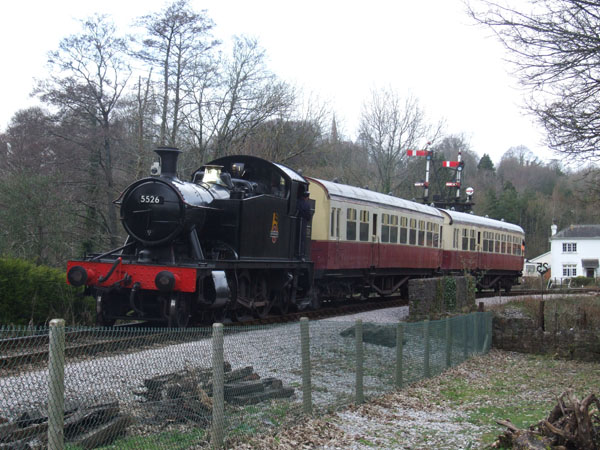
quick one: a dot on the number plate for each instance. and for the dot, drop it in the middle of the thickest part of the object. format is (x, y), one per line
(151, 199)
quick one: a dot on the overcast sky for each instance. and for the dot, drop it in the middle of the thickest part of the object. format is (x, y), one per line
(336, 50)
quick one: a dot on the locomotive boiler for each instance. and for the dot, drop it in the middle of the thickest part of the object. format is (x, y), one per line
(225, 243)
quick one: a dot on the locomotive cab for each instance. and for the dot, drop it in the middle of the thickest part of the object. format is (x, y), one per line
(259, 218)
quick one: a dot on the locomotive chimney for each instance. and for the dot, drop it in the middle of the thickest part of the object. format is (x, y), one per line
(168, 161)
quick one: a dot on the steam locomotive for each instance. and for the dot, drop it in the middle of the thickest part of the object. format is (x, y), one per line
(231, 243)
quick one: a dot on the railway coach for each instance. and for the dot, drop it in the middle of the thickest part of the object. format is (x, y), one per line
(366, 242)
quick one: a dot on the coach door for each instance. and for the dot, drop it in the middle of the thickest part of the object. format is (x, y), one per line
(375, 247)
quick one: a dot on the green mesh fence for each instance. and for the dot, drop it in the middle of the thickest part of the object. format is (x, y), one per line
(162, 388)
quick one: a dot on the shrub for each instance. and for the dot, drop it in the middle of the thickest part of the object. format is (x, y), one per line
(581, 281)
(32, 294)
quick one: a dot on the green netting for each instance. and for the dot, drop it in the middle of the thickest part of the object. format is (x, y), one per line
(157, 388)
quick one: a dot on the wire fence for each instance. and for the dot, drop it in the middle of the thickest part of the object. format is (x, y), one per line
(163, 388)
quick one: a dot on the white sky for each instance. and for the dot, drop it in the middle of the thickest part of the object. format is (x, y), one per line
(338, 50)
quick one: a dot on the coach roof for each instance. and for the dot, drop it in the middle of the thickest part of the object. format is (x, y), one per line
(472, 219)
(355, 193)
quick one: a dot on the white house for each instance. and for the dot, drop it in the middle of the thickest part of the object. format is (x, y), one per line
(575, 252)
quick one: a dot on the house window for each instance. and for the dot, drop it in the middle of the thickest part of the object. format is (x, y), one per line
(530, 268)
(569, 270)
(351, 224)
(569, 247)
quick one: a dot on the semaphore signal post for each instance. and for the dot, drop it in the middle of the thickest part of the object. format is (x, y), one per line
(441, 201)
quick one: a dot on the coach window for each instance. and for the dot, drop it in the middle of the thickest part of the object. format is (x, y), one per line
(429, 236)
(385, 228)
(503, 248)
(421, 232)
(436, 235)
(351, 224)
(472, 241)
(509, 247)
(465, 239)
(403, 230)
(393, 229)
(485, 241)
(364, 225)
(497, 243)
(335, 223)
(413, 232)
(455, 238)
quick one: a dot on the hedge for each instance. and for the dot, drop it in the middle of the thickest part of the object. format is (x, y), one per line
(34, 295)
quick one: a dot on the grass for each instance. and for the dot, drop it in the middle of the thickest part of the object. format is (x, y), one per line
(521, 388)
(560, 312)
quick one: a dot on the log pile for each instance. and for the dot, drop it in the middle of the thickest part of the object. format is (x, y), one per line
(186, 395)
(84, 426)
(180, 397)
(572, 424)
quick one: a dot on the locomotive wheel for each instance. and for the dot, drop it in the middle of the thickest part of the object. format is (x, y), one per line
(282, 300)
(260, 294)
(102, 301)
(179, 312)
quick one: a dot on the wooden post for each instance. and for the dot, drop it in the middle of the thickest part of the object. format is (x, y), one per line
(426, 370)
(541, 308)
(399, 351)
(56, 385)
(306, 380)
(218, 412)
(358, 333)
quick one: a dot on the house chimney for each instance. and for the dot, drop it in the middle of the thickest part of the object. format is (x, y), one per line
(553, 229)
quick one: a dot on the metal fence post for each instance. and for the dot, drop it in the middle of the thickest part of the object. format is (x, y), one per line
(476, 345)
(448, 343)
(306, 381)
(399, 351)
(218, 418)
(426, 370)
(358, 333)
(465, 336)
(56, 385)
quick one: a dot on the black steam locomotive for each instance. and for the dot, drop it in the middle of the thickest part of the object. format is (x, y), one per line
(228, 243)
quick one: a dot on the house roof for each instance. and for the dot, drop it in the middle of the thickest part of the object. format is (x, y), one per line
(578, 231)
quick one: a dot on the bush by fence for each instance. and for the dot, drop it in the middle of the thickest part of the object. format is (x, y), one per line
(194, 387)
(33, 294)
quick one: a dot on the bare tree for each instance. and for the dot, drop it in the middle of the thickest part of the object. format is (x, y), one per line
(390, 125)
(87, 79)
(176, 38)
(555, 47)
(249, 96)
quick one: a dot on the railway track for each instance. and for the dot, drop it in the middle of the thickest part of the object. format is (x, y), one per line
(21, 352)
